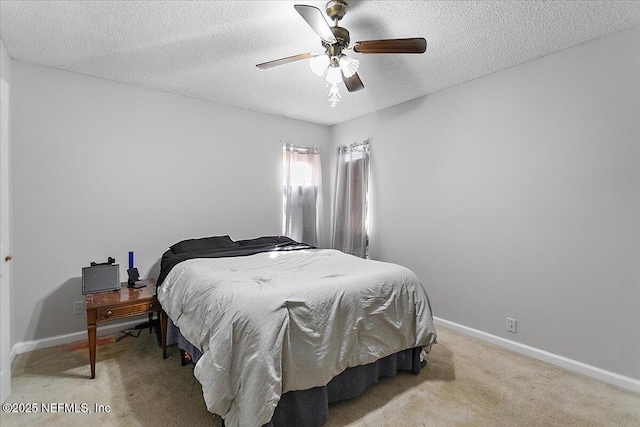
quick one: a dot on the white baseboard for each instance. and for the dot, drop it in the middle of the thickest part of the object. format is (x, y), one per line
(612, 378)
(27, 346)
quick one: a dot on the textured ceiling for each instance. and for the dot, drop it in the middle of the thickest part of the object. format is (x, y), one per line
(208, 50)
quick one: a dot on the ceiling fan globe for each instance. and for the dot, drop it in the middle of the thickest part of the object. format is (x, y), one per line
(348, 65)
(334, 75)
(319, 64)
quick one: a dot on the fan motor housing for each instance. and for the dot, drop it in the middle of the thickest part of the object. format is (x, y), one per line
(342, 35)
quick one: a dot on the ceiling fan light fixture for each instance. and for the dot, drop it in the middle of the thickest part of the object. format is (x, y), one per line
(334, 75)
(319, 64)
(349, 66)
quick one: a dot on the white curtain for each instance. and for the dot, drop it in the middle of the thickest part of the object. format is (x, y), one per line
(301, 185)
(350, 216)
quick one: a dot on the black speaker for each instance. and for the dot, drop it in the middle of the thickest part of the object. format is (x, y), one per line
(100, 278)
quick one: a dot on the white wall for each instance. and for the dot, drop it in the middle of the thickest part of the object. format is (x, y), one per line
(518, 195)
(101, 168)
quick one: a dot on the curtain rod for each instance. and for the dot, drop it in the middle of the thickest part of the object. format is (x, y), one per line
(300, 149)
(356, 146)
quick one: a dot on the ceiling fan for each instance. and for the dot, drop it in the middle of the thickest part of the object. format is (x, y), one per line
(333, 64)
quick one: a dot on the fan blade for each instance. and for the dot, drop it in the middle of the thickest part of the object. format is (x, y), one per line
(415, 45)
(353, 83)
(286, 60)
(316, 21)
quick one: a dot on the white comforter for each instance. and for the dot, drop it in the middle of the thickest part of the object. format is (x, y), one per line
(280, 321)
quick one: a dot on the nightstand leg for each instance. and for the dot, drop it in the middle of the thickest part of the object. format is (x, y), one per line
(92, 349)
(163, 332)
(150, 322)
(91, 331)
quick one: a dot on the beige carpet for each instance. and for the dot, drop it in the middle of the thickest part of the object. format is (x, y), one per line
(466, 383)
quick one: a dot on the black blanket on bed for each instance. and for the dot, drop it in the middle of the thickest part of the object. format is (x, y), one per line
(245, 247)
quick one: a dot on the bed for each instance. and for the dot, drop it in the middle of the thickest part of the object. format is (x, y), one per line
(278, 324)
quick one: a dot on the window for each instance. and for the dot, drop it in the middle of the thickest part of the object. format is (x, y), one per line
(302, 193)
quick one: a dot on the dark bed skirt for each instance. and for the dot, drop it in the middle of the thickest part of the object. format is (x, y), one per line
(310, 408)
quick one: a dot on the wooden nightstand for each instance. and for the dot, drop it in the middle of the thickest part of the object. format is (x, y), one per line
(127, 302)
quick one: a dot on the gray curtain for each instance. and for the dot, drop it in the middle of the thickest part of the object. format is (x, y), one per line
(302, 194)
(350, 216)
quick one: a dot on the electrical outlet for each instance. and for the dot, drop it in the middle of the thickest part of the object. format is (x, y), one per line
(78, 307)
(511, 325)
